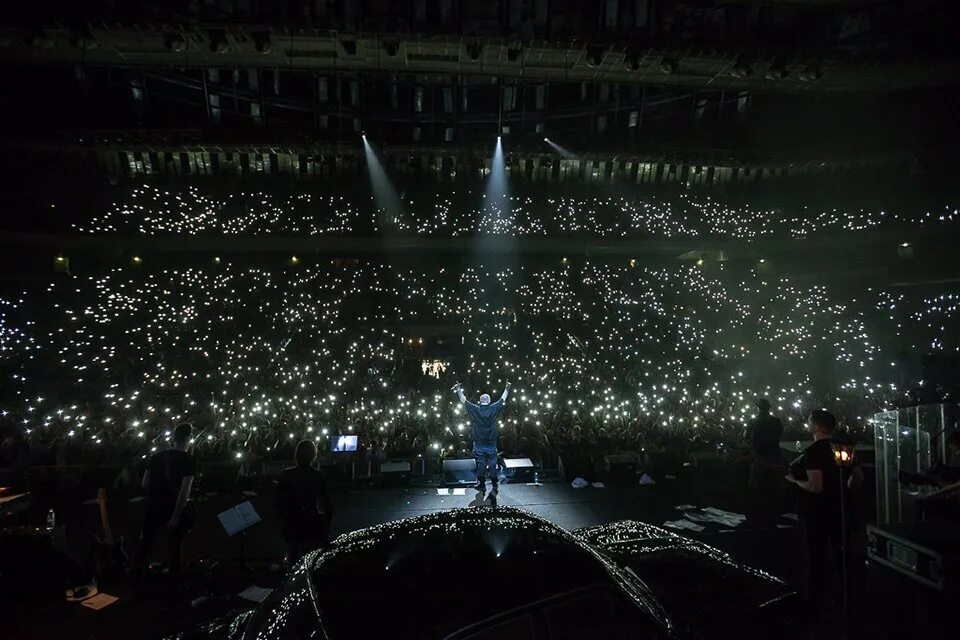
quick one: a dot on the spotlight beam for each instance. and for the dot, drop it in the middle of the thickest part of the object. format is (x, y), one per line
(384, 194)
(563, 151)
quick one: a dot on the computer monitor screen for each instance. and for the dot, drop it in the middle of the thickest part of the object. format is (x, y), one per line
(343, 444)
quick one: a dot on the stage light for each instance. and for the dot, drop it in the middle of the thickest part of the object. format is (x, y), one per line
(384, 194)
(595, 55)
(810, 74)
(741, 67)
(218, 41)
(40, 40)
(563, 151)
(669, 65)
(777, 71)
(262, 42)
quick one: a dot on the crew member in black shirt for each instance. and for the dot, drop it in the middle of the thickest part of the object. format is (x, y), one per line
(818, 476)
(303, 499)
(766, 465)
(167, 482)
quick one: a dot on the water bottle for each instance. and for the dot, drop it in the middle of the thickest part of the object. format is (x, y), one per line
(51, 520)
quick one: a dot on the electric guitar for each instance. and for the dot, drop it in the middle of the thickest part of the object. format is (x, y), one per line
(109, 557)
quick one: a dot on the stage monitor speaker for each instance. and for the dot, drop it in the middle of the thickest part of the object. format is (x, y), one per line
(574, 465)
(394, 472)
(621, 469)
(459, 471)
(519, 469)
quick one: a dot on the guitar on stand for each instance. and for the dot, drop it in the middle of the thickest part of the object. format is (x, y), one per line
(109, 559)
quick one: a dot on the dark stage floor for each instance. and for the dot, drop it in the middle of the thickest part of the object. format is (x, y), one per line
(771, 548)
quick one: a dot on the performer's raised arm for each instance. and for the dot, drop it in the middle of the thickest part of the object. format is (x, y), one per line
(506, 390)
(459, 389)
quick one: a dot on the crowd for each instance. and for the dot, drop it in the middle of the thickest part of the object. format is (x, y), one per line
(599, 354)
(153, 210)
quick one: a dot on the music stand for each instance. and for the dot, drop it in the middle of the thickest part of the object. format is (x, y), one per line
(236, 520)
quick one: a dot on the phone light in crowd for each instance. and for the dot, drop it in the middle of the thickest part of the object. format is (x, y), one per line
(294, 260)
(137, 260)
(217, 259)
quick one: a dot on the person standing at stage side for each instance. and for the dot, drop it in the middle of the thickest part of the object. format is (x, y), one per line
(303, 499)
(167, 482)
(484, 416)
(766, 465)
(818, 477)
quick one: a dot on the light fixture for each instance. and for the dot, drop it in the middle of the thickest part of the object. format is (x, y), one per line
(218, 41)
(262, 42)
(669, 65)
(843, 453)
(175, 43)
(40, 40)
(595, 55)
(741, 67)
(810, 74)
(777, 70)
(474, 50)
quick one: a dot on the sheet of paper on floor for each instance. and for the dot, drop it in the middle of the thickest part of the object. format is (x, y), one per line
(717, 516)
(253, 593)
(99, 601)
(683, 525)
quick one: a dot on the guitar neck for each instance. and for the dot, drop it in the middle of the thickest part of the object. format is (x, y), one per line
(105, 521)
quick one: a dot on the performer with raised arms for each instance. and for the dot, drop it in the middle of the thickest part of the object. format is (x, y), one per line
(484, 416)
